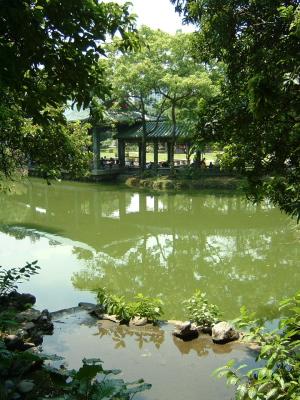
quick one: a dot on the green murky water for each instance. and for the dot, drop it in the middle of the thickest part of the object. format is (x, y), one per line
(164, 245)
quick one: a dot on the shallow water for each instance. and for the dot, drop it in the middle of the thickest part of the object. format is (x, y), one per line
(177, 370)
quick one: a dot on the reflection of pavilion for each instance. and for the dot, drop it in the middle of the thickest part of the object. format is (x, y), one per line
(106, 219)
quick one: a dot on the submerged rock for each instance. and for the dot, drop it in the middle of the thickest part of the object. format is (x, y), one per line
(186, 331)
(223, 332)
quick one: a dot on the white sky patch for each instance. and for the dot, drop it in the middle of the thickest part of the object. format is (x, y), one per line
(150, 203)
(134, 205)
(40, 210)
(158, 14)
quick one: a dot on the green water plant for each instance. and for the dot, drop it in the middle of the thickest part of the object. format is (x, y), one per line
(143, 307)
(278, 376)
(9, 278)
(147, 307)
(200, 311)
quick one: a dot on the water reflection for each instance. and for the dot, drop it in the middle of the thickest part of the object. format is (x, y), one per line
(164, 245)
(141, 335)
(177, 370)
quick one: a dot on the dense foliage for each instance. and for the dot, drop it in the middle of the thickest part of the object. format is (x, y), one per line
(9, 278)
(279, 375)
(142, 306)
(201, 311)
(161, 80)
(257, 115)
(49, 54)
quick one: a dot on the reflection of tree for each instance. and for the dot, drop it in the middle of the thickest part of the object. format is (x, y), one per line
(233, 268)
(142, 335)
(236, 252)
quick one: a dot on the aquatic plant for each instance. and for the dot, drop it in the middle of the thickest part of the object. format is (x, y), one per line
(279, 377)
(200, 311)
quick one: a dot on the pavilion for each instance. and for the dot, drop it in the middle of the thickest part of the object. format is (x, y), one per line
(127, 128)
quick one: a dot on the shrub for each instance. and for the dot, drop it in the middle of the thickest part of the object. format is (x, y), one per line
(279, 377)
(9, 278)
(144, 307)
(147, 307)
(200, 311)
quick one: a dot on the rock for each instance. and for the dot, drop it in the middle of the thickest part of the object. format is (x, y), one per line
(28, 345)
(87, 306)
(25, 386)
(186, 331)
(19, 301)
(13, 342)
(112, 318)
(138, 321)
(223, 332)
(28, 315)
(27, 326)
(205, 329)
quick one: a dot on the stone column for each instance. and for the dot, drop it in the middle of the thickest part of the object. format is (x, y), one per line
(140, 154)
(96, 150)
(121, 152)
(170, 153)
(155, 151)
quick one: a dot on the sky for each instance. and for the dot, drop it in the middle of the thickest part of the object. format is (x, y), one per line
(158, 14)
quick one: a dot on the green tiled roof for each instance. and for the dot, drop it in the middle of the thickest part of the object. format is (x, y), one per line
(161, 130)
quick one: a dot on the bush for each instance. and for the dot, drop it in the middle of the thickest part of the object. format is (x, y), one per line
(143, 307)
(200, 311)
(9, 278)
(279, 377)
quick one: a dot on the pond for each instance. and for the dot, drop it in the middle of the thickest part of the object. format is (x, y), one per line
(166, 245)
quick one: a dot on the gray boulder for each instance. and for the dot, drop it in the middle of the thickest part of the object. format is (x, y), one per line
(223, 332)
(186, 331)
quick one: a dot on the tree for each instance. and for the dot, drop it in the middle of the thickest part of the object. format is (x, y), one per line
(161, 78)
(257, 114)
(134, 76)
(49, 54)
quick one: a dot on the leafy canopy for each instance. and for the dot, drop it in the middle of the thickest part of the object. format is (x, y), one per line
(49, 54)
(257, 115)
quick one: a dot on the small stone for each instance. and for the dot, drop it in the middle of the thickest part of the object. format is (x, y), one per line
(112, 318)
(28, 345)
(186, 331)
(25, 386)
(13, 342)
(223, 332)
(138, 321)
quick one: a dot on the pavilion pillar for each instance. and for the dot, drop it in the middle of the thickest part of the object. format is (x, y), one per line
(170, 153)
(155, 151)
(96, 150)
(140, 154)
(121, 152)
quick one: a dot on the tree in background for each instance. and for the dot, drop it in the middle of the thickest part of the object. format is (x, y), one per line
(49, 53)
(257, 115)
(161, 79)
